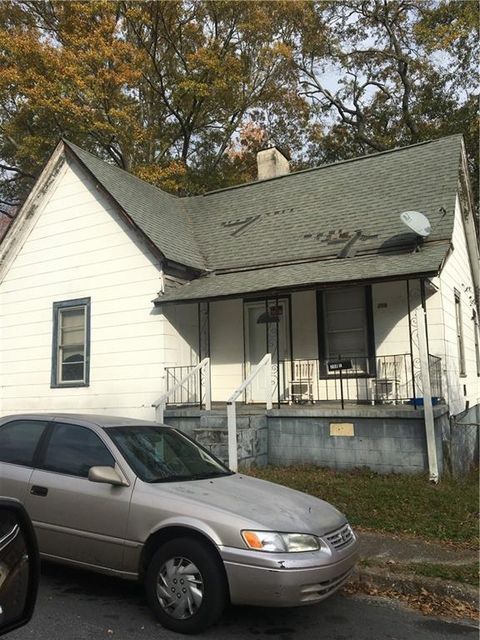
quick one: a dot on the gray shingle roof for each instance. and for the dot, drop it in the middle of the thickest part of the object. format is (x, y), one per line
(426, 261)
(315, 217)
(159, 215)
(291, 217)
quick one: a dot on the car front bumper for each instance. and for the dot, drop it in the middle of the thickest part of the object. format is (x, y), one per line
(283, 581)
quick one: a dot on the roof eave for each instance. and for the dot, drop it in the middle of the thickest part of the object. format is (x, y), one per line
(24, 219)
(278, 291)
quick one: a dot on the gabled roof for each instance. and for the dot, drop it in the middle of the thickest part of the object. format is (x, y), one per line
(333, 224)
(337, 223)
(160, 216)
(303, 215)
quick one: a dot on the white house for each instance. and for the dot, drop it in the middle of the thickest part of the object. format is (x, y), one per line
(112, 291)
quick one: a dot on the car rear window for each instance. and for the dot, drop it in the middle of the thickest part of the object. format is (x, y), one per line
(19, 440)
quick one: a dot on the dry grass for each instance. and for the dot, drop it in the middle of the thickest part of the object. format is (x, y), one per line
(394, 503)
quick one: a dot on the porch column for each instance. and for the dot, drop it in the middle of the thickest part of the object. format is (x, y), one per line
(203, 330)
(421, 317)
(204, 375)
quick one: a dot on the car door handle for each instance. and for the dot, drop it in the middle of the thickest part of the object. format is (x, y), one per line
(36, 490)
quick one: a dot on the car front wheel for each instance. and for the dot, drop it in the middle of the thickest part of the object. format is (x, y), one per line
(186, 585)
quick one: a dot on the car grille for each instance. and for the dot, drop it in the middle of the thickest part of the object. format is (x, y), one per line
(340, 538)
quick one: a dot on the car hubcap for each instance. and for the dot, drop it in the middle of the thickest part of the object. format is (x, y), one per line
(179, 588)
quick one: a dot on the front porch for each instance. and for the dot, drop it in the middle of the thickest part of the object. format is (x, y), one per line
(391, 380)
(335, 376)
(371, 331)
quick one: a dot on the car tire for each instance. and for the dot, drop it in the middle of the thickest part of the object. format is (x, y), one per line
(186, 585)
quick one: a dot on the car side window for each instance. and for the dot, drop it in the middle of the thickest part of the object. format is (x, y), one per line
(19, 440)
(73, 449)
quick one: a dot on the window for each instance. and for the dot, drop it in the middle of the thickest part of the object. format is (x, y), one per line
(460, 341)
(476, 332)
(73, 450)
(19, 440)
(346, 328)
(71, 343)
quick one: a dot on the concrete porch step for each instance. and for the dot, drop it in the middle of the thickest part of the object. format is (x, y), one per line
(252, 441)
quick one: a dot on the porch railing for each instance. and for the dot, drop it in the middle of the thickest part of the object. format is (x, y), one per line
(388, 379)
(265, 367)
(186, 385)
(435, 366)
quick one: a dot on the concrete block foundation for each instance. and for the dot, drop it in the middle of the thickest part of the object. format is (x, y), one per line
(386, 439)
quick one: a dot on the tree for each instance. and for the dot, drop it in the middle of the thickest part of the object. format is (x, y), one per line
(64, 72)
(158, 88)
(173, 90)
(405, 72)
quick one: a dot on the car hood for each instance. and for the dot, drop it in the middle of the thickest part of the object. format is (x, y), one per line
(260, 503)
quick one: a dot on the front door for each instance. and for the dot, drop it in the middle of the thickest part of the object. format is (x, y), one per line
(266, 331)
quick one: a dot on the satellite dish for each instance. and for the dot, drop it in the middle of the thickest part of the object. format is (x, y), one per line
(417, 222)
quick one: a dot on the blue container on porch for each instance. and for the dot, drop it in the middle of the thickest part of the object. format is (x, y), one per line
(419, 401)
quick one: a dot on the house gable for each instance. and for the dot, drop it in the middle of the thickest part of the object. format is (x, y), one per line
(26, 218)
(74, 246)
(159, 216)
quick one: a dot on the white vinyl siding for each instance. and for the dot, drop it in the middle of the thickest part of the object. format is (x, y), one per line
(79, 247)
(456, 276)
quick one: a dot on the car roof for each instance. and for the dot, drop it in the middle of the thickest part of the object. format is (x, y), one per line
(98, 420)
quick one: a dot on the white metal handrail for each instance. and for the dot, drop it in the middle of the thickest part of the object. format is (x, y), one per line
(266, 364)
(203, 367)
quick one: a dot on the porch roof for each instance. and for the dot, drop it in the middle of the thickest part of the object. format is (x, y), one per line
(369, 268)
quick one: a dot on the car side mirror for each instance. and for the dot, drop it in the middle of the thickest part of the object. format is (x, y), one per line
(106, 475)
(19, 566)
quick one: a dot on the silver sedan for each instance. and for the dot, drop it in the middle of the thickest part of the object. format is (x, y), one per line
(143, 501)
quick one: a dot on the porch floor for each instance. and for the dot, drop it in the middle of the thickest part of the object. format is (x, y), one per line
(324, 408)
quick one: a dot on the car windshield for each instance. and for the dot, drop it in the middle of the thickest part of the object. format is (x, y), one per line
(161, 454)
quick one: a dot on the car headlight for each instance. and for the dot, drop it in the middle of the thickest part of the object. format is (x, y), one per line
(280, 542)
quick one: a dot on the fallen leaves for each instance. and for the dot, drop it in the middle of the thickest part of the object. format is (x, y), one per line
(428, 603)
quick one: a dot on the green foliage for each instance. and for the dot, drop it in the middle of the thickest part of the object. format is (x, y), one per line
(394, 503)
(184, 93)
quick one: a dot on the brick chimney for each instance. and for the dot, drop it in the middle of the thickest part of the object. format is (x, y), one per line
(271, 163)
